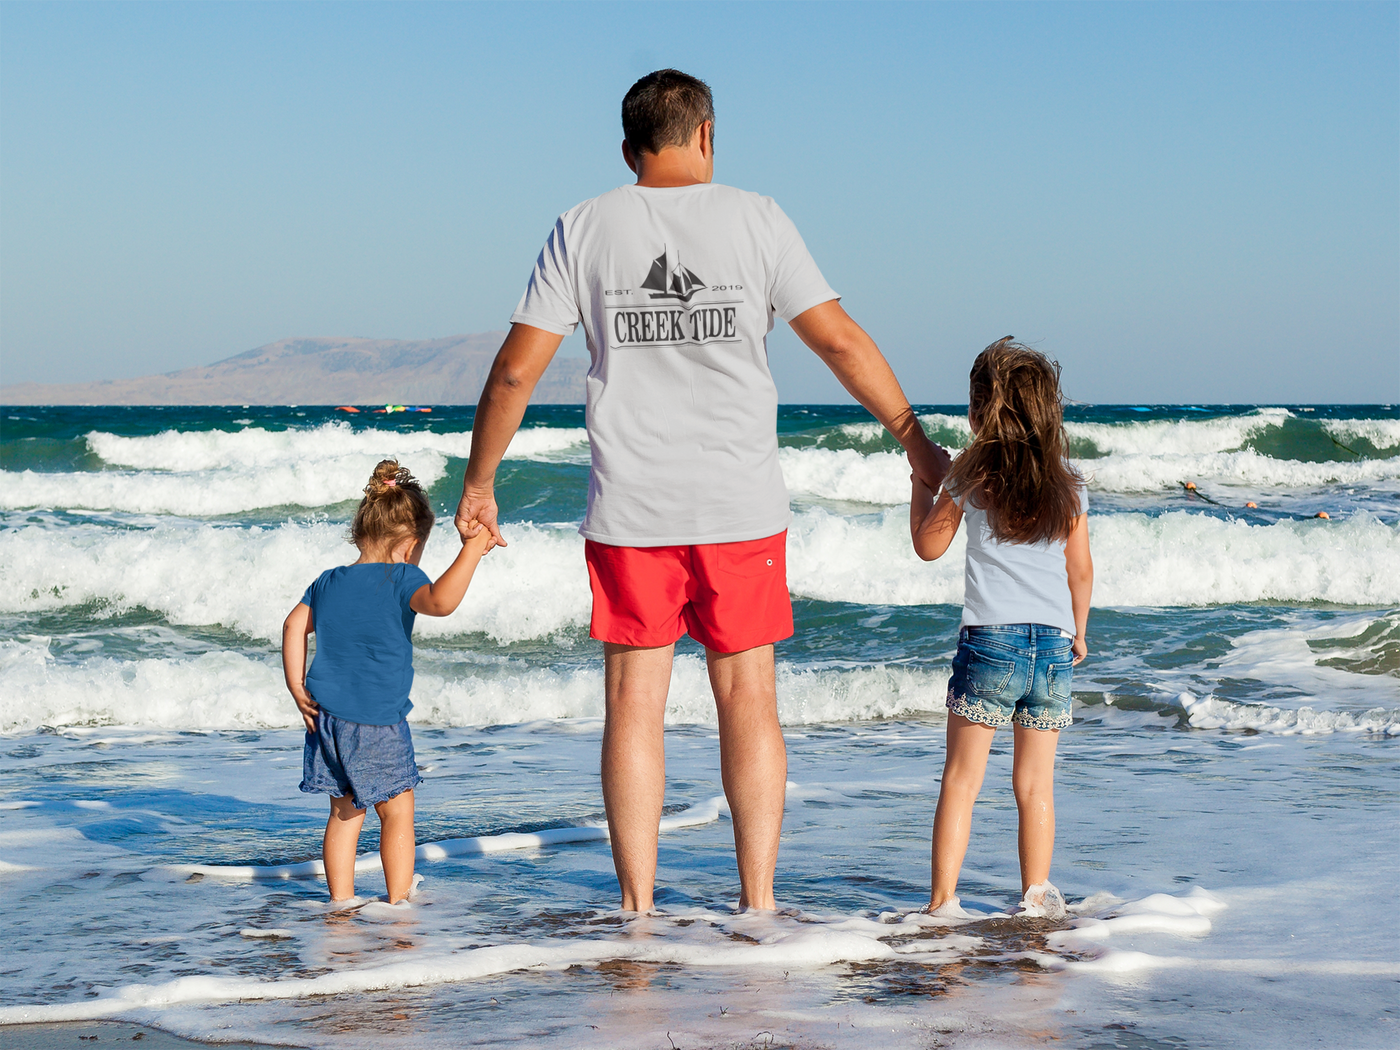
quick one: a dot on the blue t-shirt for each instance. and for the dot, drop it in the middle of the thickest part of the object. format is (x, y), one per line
(363, 668)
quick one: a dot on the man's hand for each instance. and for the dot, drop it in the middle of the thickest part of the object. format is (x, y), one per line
(308, 707)
(477, 511)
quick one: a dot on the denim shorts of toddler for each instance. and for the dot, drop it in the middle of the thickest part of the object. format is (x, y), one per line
(370, 763)
(1017, 672)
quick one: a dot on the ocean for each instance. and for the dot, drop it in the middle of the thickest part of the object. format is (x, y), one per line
(1229, 819)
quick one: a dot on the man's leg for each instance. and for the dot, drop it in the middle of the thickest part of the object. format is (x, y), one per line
(636, 681)
(753, 764)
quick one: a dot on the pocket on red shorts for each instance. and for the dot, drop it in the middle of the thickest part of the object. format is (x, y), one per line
(742, 600)
(749, 561)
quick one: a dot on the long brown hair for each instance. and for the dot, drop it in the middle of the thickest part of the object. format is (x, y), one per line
(1017, 468)
(394, 507)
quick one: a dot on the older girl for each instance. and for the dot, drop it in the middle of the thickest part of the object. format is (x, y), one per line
(1028, 580)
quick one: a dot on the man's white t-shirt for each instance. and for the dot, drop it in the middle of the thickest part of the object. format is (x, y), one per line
(677, 289)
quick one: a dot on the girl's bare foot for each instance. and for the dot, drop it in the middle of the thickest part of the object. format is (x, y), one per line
(948, 909)
(1043, 901)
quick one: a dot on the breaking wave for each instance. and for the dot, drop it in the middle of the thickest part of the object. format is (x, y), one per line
(199, 574)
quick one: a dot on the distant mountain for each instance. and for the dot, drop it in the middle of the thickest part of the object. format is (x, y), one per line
(323, 371)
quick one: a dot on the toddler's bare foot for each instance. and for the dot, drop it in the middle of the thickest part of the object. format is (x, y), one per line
(412, 889)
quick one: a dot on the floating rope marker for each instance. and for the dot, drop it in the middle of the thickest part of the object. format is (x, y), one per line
(1190, 487)
(1252, 505)
(1323, 514)
(1347, 447)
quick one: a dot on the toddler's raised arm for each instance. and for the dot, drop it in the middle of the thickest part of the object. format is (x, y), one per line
(442, 597)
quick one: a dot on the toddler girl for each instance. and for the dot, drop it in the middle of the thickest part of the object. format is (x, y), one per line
(1028, 578)
(354, 698)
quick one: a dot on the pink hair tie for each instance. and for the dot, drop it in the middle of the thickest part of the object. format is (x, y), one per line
(391, 481)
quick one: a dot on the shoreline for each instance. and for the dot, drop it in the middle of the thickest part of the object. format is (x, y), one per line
(54, 1034)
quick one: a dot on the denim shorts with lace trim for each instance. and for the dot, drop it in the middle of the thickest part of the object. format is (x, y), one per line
(1018, 672)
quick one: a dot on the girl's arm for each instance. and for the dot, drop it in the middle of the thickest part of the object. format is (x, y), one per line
(443, 597)
(1081, 582)
(932, 522)
(295, 630)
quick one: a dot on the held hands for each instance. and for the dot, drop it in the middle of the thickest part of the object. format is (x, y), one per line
(476, 511)
(477, 537)
(931, 466)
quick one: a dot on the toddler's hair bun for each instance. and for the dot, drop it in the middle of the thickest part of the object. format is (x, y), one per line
(394, 506)
(387, 477)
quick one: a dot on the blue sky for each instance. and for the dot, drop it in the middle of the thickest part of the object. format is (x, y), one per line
(1181, 202)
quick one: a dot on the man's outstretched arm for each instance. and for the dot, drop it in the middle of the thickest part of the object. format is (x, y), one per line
(855, 360)
(519, 363)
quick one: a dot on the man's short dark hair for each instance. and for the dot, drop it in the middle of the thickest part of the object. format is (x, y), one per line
(664, 109)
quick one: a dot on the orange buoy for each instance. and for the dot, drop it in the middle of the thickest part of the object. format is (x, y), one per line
(1323, 514)
(1252, 505)
(1190, 486)
(346, 408)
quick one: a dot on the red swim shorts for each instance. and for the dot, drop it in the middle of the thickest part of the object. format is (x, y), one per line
(728, 596)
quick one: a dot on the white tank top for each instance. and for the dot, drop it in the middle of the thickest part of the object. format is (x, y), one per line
(1015, 582)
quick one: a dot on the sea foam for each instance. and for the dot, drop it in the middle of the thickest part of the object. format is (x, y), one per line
(212, 473)
(321, 482)
(687, 938)
(229, 690)
(1246, 469)
(1381, 433)
(1176, 559)
(1218, 434)
(193, 450)
(883, 477)
(1177, 436)
(208, 473)
(199, 574)
(1211, 712)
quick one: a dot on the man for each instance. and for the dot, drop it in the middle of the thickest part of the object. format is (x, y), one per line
(677, 280)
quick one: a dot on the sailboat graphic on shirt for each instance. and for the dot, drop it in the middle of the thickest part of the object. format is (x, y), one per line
(668, 279)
